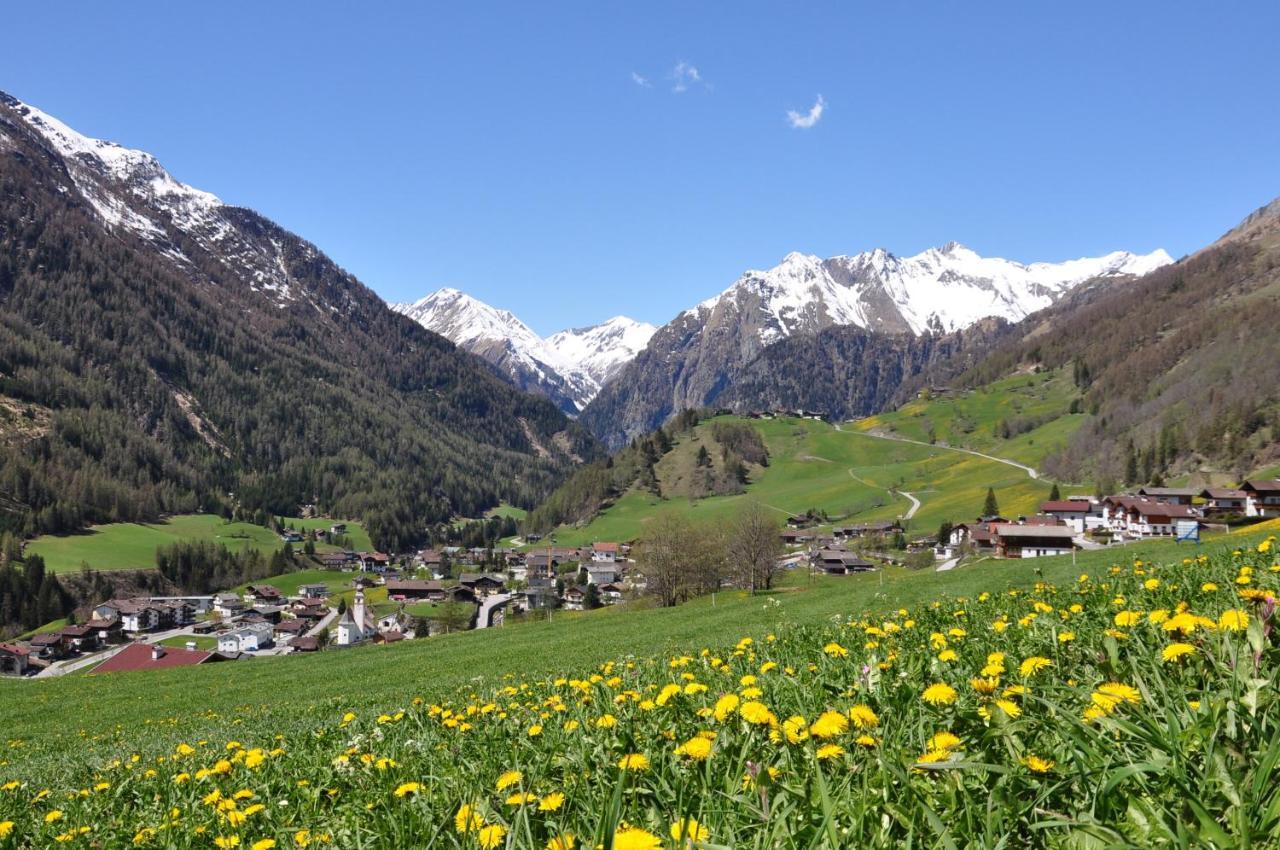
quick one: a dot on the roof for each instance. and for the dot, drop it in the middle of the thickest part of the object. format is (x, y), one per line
(75, 631)
(305, 644)
(15, 649)
(138, 656)
(474, 578)
(1186, 492)
(46, 639)
(604, 547)
(1061, 532)
(292, 626)
(1077, 506)
(1162, 509)
(264, 590)
(1222, 493)
(1262, 485)
(1042, 519)
(400, 586)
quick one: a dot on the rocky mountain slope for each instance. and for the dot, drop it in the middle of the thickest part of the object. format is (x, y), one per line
(568, 367)
(161, 351)
(693, 359)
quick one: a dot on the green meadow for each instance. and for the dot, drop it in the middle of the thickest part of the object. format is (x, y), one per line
(850, 474)
(62, 724)
(132, 546)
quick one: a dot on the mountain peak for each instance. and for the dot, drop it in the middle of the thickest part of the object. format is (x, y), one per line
(570, 366)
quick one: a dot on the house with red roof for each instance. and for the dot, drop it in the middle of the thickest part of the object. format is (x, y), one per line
(145, 656)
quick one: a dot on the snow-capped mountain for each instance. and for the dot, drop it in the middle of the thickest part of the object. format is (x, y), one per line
(696, 356)
(569, 367)
(941, 289)
(133, 194)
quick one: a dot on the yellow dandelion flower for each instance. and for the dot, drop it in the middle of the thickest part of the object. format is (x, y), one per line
(944, 741)
(1234, 620)
(491, 836)
(634, 838)
(697, 748)
(1033, 665)
(939, 693)
(263, 844)
(1177, 651)
(551, 802)
(506, 780)
(564, 841)
(863, 717)
(835, 650)
(467, 819)
(1036, 764)
(404, 789)
(829, 725)
(634, 761)
(757, 713)
(690, 830)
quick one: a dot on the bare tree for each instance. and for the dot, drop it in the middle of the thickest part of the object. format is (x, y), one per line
(708, 559)
(754, 547)
(663, 557)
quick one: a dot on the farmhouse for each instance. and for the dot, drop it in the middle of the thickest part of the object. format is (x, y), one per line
(1262, 497)
(1031, 541)
(405, 589)
(286, 629)
(1223, 500)
(483, 584)
(313, 591)
(838, 562)
(336, 560)
(867, 529)
(794, 537)
(258, 595)
(14, 659)
(375, 561)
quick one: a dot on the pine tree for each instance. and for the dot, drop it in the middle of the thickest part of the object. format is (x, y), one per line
(1055, 494)
(991, 507)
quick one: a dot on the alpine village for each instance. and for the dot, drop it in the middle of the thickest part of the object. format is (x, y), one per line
(931, 549)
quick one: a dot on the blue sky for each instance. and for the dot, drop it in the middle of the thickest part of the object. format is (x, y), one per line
(508, 149)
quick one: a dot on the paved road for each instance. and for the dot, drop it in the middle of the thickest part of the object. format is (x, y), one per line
(948, 565)
(915, 503)
(488, 606)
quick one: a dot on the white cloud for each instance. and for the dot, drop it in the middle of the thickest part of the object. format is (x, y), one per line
(684, 76)
(806, 120)
(639, 80)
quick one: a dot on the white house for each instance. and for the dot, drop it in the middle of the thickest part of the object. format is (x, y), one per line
(248, 638)
(602, 574)
(604, 553)
(1080, 515)
(228, 605)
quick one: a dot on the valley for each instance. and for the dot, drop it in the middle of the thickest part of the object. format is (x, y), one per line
(748, 509)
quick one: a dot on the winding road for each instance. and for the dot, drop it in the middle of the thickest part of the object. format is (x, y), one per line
(1031, 471)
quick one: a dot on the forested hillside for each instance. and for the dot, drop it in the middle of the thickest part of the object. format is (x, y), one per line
(848, 372)
(1178, 368)
(149, 368)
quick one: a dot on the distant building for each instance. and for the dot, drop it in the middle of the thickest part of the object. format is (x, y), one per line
(1032, 541)
(356, 623)
(1262, 497)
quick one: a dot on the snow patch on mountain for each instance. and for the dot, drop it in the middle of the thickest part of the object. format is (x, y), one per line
(131, 191)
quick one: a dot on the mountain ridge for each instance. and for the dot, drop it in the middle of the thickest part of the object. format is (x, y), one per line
(691, 360)
(174, 353)
(569, 366)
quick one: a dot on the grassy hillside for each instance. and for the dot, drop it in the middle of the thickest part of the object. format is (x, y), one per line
(294, 708)
(847, 473)
(1037, 405)
(132, 546)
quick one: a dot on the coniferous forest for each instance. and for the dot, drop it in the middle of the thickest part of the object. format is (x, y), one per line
(137, 381)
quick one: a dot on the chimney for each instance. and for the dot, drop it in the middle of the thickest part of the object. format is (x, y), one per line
(156, 652)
